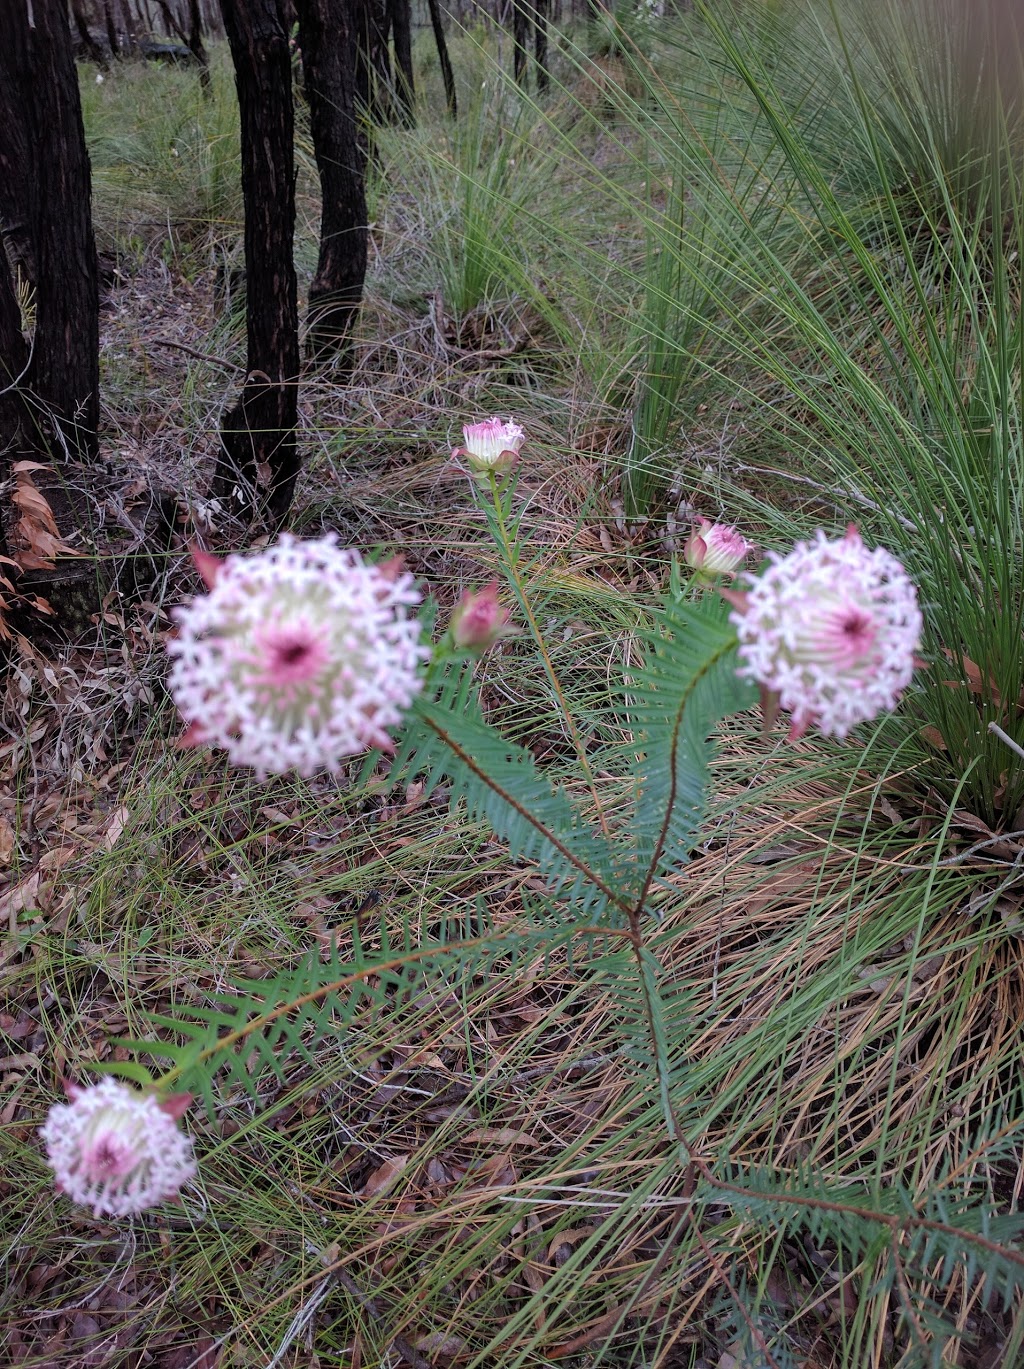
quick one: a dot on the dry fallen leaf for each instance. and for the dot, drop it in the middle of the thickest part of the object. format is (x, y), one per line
(21, 896)
(37, 540)
(6, 841)
(114, 826)
(502, 1136)
(384, 1176)
(442, 1344)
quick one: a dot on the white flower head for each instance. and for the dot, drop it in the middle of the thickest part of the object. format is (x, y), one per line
(116, 1150)
(298, 657)
(831, 629)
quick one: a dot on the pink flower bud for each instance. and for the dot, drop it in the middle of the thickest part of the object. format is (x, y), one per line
(479, 620)
(716, 549)
(490, 446)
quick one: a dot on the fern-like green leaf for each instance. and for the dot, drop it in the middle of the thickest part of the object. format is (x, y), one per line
(261, 1029)
(447, 737)
(687, 685)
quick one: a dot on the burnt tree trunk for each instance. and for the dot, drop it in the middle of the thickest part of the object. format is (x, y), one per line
(447, 75)
(327, 38)
(130, 31)
(196, 47)
(85, 36)
(258, 434)
(46, 194)
(373, 60)
(527, 15)
(50, 414)
(540, 43)
(399, 12)
(519, 31)
(108, 18)
(192, 37)
(15, 419)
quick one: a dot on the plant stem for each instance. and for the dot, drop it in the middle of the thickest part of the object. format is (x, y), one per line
(501, 496)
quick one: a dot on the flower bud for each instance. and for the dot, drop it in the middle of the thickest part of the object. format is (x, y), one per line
(479, 620)
(716, 549)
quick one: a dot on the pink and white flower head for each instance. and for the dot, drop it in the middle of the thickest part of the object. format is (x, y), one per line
(831, 631)
(715, 549)
(298, 656)
(490, 446)
(479, 620)
(116, 1150)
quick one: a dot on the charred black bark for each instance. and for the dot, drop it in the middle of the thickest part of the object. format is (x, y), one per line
(401, 32)
(327, 38)
(520, 25)
(50, 409)
(89, 47)
(447, 75)
(258, 434)
(540, 43)
(15, 420)
(46, 200)
(527, 15)
(196, 46)
(131, 37)
(192, 37)
(374, 85)
(108, 18)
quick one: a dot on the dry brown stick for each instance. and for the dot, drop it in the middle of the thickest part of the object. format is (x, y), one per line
(199, 356)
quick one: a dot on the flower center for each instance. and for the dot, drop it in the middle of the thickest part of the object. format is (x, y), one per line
(290, 657)
(839, 635)
(109, 1157)
(291, 654)
(857, 633)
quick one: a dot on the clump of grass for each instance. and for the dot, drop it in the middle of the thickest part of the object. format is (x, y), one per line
(479, 190)
(868, 341)
(164, 157)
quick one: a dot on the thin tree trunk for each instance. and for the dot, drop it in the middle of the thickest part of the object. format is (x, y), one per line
(195, 44)
(327, 33)
(44, 162)
(373, 61)
(171, 23)
(540, 43)
(447, 75)
(258, 434)
(15, 420)
(129, 26)
(520, 25)
(89, 43)
(192, 37)
(401, 31)
(108, 17)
